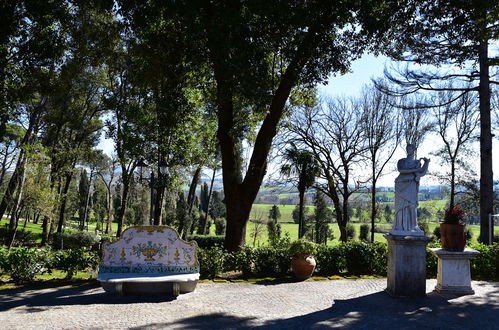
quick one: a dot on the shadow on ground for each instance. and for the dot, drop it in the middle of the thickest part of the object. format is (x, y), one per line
(374, 311)
(34, 301)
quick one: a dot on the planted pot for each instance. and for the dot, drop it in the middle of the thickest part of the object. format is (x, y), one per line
(453, 237)
(303, 266)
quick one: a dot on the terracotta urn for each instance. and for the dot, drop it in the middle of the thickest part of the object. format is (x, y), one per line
(453, 237)
(303, 266)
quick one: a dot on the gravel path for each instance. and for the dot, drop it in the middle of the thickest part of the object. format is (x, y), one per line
(353, 304)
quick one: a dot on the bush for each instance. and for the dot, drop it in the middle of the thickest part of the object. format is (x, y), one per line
(220, 226)
(212, 261)
(23, 237)
(74, 240)
(71, 261)
(360, 258)
(364, 232)
(244, 260)
(22, 264)
(271, 261)
(300, 247)
(206, 242)
(484, 266)
(330, 260)
(350, 231)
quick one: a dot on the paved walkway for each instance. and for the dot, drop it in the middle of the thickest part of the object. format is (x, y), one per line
(353, 304)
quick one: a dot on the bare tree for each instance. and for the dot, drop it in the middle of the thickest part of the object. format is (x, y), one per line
(456, 124)
(333, 133)
(382, 130)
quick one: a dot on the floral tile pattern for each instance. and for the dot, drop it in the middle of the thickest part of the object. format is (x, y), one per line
(150, 249)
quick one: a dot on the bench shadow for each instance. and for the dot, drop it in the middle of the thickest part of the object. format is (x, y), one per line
(80, 295)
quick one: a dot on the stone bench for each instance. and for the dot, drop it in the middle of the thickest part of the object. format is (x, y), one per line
(149, 259)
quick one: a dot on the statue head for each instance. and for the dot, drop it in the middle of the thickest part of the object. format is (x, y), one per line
(411, 149)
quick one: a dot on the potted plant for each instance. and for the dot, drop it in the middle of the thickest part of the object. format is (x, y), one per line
(302, 261)
(452, 230)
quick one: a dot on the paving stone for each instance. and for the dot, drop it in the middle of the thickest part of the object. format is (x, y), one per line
(353, 304)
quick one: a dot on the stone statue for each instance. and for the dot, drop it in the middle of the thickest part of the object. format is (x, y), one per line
(406, 193)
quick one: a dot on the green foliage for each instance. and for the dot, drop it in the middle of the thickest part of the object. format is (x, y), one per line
(23, 237)
(330, 259)
(485, 265)
(23, 264)
(300, 247)
(220, 224)
(274, 213)
(207, 242)
(350, 228)
(322, 217)
(73, 260)
(364, 258)
(74, 240)
(364, 232)
(271, 261)
(212, 261)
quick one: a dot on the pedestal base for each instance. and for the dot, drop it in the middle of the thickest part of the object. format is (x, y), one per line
(406, 265)
(454, 274)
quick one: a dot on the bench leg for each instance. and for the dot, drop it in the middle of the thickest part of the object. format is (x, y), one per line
(119, 288)
(176, 289)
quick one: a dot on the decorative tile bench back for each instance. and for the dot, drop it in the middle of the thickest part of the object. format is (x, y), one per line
(150, 249)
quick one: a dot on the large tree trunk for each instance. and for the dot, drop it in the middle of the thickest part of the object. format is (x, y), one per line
(486, 175)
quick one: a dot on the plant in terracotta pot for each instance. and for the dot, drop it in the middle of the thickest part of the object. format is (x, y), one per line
(452, 229)
(302, 261)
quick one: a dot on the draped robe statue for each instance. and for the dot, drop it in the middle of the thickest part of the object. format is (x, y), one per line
(406, 193)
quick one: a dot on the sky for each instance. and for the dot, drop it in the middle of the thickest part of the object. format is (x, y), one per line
(351, 84)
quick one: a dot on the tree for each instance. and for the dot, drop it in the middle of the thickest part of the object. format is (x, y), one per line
(322, 218)
(456, 121)
(300, 163)
(334, 134)
(106, 170)
(256, 57)
(382, 133)
(273, 227)
(84, 196)
(458, 34)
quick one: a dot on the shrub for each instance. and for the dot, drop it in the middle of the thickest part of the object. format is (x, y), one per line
(244, 260)
(330, 260)
(364, 232)
(350, 231)
(74, 240)
(3, 259)
(212, 261)
(436, 232)
(271, 261)
(23, 237)
(484, 265)
(220, 226)
(71, 261)
(22, 264)
(431, 260)
(206, 242)
(300, 247)
(362, 258)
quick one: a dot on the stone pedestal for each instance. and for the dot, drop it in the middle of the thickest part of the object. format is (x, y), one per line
(406, 265)
(454, 274)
